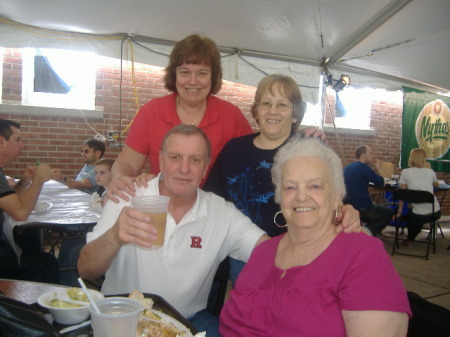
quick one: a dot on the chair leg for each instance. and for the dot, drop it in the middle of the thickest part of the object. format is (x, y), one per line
(395, 239)
(434, 237)
(431, 240)
(429, 243)
(440, 229)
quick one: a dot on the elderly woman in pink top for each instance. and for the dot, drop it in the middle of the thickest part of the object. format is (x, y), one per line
(313, 281)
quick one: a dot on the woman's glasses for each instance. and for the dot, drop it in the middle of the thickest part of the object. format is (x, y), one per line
(280, 106)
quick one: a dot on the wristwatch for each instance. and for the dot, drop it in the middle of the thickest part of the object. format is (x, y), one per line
(63, 180)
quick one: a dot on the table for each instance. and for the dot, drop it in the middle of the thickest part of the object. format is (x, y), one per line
(28, 292)
(440, 192)
(380, 193)
(70, 213)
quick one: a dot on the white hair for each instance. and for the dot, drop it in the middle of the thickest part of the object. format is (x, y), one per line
(308, 147)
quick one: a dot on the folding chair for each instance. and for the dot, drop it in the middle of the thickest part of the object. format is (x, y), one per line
(218, 291)
(417, 197)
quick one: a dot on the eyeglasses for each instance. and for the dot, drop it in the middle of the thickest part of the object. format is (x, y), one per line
(85, 151)
(280, 106)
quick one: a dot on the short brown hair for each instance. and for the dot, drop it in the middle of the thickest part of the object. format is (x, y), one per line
(290, 90)
(360, 150)
(194, 50)
(96, 145)
(105, 161)
(188, 130)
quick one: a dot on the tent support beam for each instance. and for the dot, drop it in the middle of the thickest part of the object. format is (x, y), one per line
(421, 85)
(368, 28)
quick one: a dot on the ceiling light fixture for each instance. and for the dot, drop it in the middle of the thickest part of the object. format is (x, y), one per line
(341, 83)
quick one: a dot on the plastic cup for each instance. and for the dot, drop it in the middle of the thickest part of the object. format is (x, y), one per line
(156, 207)
(118, 317)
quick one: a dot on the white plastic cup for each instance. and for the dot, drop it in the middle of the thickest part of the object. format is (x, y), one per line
(118, 317)
(156, 207)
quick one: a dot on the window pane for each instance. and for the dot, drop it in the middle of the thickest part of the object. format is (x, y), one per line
(59, 78)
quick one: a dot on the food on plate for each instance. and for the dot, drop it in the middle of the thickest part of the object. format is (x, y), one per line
(76, 294)
(147, 303)
(153, 329)
(147, 328)
(62, 304)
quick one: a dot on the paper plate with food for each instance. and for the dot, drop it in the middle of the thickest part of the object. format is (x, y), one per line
(154, 323)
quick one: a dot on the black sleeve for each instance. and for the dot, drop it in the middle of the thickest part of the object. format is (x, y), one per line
(215, 182)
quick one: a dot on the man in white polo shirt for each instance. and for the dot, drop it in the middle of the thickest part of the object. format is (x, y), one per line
(202, 229)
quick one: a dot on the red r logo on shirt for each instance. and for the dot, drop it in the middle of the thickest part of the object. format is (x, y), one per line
(196, 242)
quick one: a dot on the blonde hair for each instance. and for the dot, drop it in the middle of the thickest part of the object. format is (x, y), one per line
(417, 158)
(290, 90)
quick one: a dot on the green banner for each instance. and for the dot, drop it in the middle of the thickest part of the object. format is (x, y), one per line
(426, 124)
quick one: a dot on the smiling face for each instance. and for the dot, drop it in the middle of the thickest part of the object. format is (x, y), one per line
(89, 155)
(193, 83)
(307, 197)
(183, 163)
(275, 124)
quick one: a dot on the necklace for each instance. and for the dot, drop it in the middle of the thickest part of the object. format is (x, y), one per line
(181, 112)
(195, 122)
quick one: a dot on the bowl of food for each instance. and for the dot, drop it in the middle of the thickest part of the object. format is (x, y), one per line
(68, 306)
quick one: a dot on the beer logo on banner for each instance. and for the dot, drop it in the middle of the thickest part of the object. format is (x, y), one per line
(432, 129)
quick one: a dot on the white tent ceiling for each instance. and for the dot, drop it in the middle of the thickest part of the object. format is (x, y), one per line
(382, 43)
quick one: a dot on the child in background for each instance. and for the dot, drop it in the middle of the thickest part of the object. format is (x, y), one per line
(102, 178)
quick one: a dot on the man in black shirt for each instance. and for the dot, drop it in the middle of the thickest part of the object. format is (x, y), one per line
(18, 202)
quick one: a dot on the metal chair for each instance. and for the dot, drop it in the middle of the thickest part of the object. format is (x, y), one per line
(216, 297)
(417, 197)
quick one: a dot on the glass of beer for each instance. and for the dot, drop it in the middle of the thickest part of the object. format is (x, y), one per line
(156, 207)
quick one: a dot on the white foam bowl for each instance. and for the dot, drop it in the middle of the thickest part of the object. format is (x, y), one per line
(67, 315)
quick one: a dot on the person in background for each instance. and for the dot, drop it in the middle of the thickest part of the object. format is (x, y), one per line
(194, 76)
(71, 247)
(313, 281)
(241, 173)
(358, 176)
(91, 151)
(18, 202)
(102, 178)
(418, 177)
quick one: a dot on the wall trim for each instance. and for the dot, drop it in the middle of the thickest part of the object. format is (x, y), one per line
(16, 109)
(347, 131)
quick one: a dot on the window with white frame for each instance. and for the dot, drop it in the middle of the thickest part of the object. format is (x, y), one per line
(58, 78)
(352, 109)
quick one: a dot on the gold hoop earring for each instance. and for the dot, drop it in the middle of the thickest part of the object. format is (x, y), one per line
(275, 220)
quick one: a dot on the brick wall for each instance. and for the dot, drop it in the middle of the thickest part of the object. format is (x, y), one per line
(57, 140)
